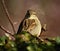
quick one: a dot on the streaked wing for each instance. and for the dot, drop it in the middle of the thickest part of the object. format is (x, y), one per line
(29, 24)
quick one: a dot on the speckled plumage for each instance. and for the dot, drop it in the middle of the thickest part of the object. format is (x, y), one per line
(32, 24)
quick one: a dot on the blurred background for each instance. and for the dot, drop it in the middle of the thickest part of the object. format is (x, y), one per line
(48, 11)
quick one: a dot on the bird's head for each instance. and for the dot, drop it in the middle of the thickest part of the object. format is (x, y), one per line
(31, 12)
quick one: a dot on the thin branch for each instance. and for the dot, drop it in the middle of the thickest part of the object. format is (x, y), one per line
(8, 16)
(38, 38)
(6, 30)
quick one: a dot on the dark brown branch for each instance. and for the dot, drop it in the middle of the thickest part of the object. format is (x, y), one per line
(6, 30)
(8, 16)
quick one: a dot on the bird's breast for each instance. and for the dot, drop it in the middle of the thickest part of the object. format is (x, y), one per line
(37, 29)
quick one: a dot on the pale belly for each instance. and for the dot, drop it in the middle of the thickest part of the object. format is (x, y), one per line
(37, 30)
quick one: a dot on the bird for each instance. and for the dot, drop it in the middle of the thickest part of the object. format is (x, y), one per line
(31, 24)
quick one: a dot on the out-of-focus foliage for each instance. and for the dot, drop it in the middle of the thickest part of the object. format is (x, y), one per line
(26, 42)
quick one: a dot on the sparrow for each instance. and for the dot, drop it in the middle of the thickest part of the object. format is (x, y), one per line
(31, 24)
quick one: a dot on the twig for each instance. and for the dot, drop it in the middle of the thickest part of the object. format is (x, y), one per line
(8, 16)
(38, 38)
(6, 30)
